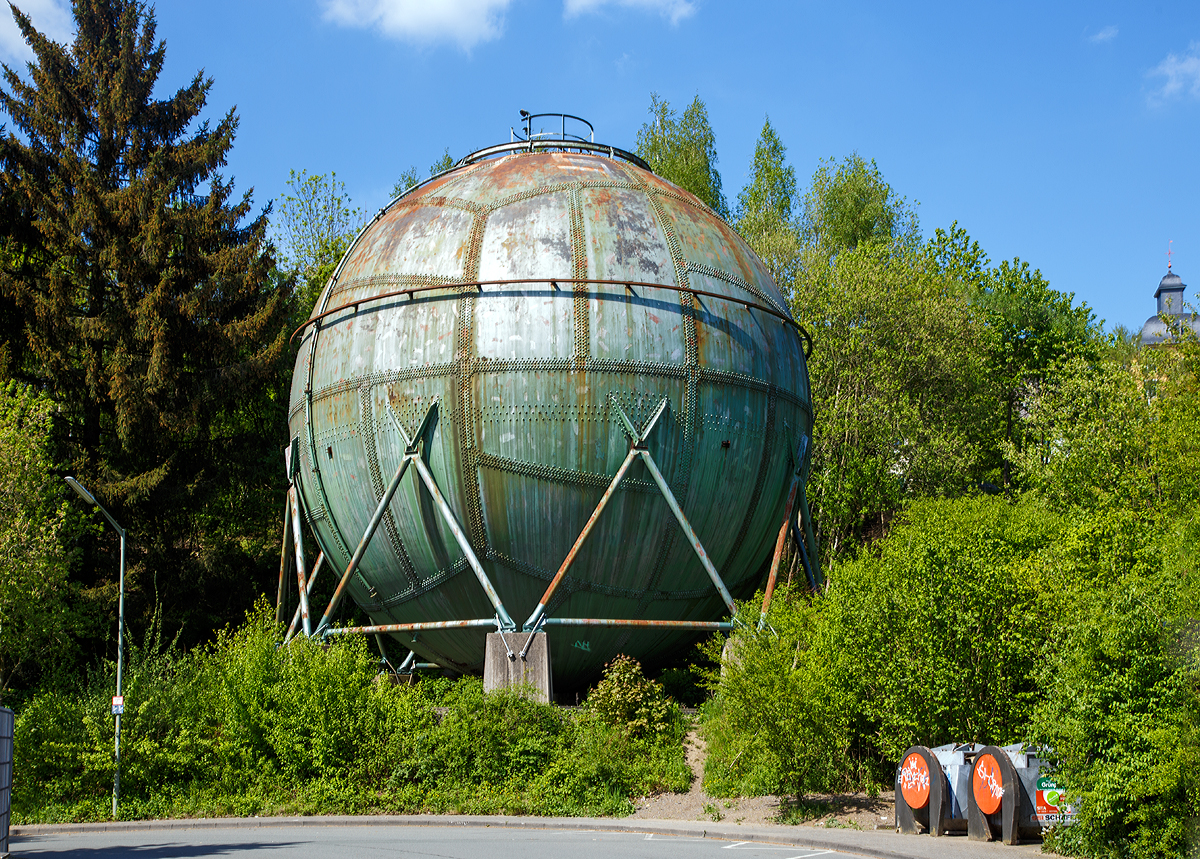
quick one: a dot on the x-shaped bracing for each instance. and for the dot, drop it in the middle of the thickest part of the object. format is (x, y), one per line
(637, 449)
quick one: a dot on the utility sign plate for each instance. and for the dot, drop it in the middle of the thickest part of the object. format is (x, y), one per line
(118, 705)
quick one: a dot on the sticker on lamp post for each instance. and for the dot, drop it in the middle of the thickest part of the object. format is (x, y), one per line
(118, 707)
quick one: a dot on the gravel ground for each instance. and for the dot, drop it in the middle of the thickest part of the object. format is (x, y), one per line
(853, 811)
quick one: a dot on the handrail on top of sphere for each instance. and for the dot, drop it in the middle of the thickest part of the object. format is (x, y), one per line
(554, 281)
(536, 145)
(528, 119)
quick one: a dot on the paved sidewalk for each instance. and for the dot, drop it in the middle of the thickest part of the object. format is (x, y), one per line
(884, 844)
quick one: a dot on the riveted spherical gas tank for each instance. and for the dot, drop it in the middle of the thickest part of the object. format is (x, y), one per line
(506, 322)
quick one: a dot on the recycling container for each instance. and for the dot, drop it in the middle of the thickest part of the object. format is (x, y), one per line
(931, 788)
(1001, 799)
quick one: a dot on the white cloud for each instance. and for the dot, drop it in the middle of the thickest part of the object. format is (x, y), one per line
(676, 10)
(1106, 35)
(51, 17)
(1182, 73)
(465, 22)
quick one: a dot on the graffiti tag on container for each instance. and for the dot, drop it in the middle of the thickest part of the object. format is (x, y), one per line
(914, 781)
(585, 646)
(988, 784)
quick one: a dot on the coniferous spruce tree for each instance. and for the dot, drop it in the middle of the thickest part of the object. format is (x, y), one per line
(140, 286)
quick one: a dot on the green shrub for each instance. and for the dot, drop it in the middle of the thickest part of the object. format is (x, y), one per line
(625, 699)
(1121, 683)
(247, 727)
(986, 621)
(932, 637)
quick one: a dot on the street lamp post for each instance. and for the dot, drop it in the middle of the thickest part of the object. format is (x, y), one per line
(91, 499)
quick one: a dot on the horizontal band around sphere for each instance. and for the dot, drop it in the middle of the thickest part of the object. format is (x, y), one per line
(453, 290)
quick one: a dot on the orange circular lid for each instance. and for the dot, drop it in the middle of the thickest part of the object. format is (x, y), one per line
(987, 784)
(914, 780)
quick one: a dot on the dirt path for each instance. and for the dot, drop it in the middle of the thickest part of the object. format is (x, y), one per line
(855, 811)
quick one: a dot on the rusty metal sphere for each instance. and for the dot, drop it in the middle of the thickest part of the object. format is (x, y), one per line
(523, 303)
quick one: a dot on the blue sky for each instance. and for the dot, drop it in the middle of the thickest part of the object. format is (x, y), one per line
(1065, 134)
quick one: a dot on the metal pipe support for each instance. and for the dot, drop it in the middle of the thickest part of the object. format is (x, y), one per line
(506, 622)
(691, 535)
(301, 569)
(361, 550)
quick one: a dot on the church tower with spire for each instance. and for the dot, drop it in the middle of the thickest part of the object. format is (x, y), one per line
(1171, 319)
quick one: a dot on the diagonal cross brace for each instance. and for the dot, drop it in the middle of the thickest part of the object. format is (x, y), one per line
(502, 616)
(361, 550)
(308, 591)
(380, 510)
(691, 535)
(412, 456)
(638, 440)
(637, 448)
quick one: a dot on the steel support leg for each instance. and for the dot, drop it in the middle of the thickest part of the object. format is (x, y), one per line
(813, 567)
(307, 592)
(780, 542)
(283, 557)
(506, 622)
(380, 510)
(405, 667)
(687, 530)
(796, 492)
(301, 571)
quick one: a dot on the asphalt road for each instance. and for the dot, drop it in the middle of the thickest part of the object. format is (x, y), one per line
(418, 842)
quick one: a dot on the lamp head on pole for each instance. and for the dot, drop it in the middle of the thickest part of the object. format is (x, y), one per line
(83, 493)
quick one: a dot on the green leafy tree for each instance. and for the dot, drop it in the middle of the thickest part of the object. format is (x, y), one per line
(37, 612)
(412, 176)
(1037, 328)
(899, 385)
(765, 208)
(958, 256)
(318, 222)
(1105, 434)
(849, 204)
(147, 309)
(317, 219)
(683, 150)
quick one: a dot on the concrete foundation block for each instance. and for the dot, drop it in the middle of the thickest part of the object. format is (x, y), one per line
(501, 672)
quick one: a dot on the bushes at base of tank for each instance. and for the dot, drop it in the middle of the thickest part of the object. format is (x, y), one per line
(932, 637)
(244, 728)
(987, 621)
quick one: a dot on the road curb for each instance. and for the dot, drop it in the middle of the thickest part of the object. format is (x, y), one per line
(878, 844)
